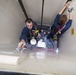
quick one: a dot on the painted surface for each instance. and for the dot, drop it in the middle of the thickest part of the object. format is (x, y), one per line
(11, 23)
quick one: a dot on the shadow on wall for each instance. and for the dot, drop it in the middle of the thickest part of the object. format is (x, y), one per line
(13, 73)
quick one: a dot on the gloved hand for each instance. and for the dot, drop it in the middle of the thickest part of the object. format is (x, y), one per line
(70, 9)
(55, 37)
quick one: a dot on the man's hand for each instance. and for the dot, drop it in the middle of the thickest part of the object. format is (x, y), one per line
(23, 43)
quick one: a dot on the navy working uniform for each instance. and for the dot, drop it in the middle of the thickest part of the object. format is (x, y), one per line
(57, 27)
(27, 34)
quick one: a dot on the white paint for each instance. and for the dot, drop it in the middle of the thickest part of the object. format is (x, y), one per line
(11, 24)
(8, 59)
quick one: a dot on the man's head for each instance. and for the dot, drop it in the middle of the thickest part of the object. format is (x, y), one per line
(62, 20)
(29, 23)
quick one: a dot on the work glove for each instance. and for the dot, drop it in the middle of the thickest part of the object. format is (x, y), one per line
(70, 9)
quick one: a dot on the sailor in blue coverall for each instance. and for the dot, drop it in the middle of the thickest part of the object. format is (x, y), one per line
(61, 23)
(27, 32)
